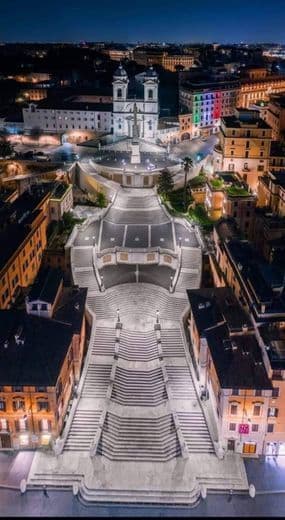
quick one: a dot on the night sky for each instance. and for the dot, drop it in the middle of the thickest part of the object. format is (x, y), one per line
(143, 20)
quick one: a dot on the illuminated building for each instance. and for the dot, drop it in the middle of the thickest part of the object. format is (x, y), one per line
(34, 401)
(244, 146)
(260, 89)
(232, 374)
(274, 115)
(171, 61)
(147, 107)
(227, 196)
(22, 240)
(208, 102)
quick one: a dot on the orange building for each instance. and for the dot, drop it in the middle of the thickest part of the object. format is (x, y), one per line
(34, 400)
(21, 244)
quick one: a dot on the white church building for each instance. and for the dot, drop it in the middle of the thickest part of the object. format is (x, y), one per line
(83, 114)
(147, 108)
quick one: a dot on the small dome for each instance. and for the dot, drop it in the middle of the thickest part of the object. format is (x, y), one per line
(151, 73)
(120, 72)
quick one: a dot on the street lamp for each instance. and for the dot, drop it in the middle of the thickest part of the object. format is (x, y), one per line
(118, 315)
(171, 283)
(157, 316)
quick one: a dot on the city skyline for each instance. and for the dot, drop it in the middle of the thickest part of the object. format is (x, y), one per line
(126, 22)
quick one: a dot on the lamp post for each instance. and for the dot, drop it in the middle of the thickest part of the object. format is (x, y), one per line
(171, 284)
(157, 317)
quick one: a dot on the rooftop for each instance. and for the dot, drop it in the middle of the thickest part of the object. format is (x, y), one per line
(216, 305)
(237, 359)
(46, 285)
(242, 122)
(32, 349)
(71, 103)
(274, 340)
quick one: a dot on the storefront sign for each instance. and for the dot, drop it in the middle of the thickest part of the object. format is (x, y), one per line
(243, 428)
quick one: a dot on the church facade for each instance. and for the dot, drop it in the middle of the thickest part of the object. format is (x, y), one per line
(147, 109)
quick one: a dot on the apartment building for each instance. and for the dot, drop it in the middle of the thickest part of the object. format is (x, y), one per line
(244, 146)
(274, 115)
(258, 285)
(22, 240)
(271, 192)
(231, 371)
(35, 401)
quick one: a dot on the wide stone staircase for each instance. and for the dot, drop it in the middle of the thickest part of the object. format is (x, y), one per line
(97, 380)
(139, 387)
(135, 346)
(195, 431)
(140, 439)
(137, 299)
(172, 343)
(83, 428)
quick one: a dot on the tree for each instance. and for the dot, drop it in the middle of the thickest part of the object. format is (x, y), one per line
(187, 164)
(165, 183)
(6, 149)
(101, 200)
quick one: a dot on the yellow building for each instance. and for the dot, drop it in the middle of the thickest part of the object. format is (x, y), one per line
(244, 147)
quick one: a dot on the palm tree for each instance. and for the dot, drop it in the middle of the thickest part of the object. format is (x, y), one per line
(187, 164)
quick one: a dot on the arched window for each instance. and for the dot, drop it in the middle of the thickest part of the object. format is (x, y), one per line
(119, 93)
(150, 94)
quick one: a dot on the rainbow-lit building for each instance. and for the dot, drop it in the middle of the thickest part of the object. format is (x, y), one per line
(208, 102)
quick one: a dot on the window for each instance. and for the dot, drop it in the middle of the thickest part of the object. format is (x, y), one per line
(44, 425)
(272, 412)
(150, 94)
(43, 405)
(17, 389)
(119, 93)
(232, 427)
(246, 155)
(4, 425)
(234, 409)
(2, 405)
(18, 404)
(275, 392)
(260, 168)
(256, 409)
(270, 428)
(254, 428)
(40, 388)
